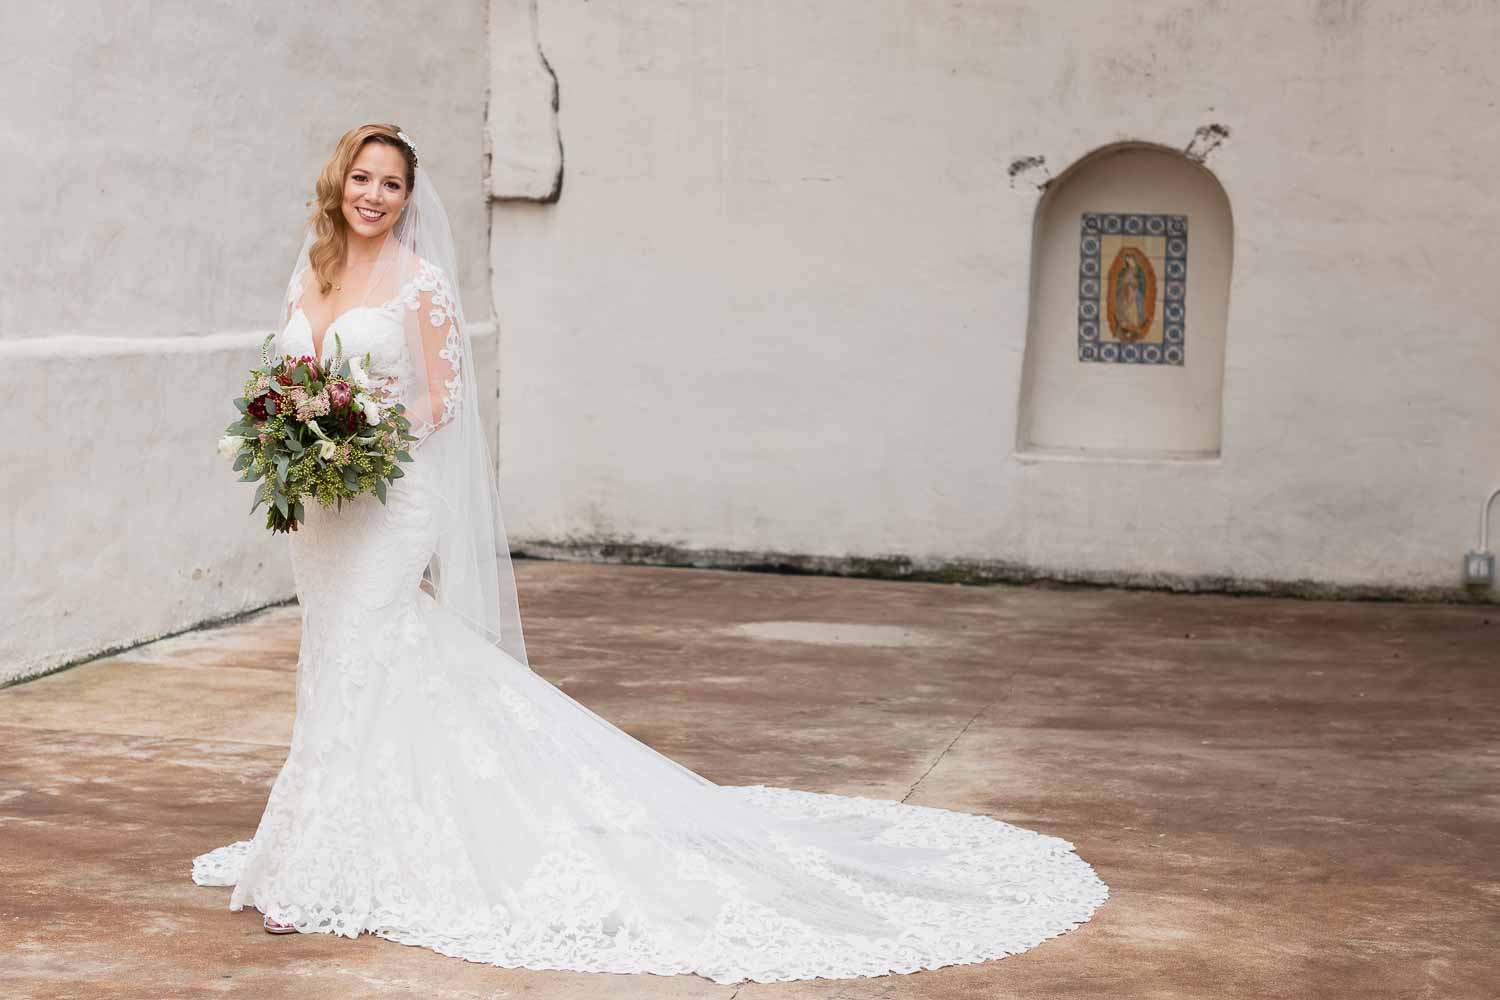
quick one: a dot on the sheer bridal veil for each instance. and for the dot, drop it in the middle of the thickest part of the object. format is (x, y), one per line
(415, 283)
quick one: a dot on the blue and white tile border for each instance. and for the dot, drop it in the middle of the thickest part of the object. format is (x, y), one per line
(1172, 349)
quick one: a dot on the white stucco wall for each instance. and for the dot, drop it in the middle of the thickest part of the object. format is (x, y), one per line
(779, 306)
(159, 158)
(775, 306)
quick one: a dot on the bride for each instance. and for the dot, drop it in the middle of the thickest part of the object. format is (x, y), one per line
(437, 792)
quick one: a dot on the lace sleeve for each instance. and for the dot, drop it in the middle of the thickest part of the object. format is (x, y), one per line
(442, 347)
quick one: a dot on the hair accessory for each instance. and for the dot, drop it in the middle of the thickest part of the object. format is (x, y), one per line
(409, 144)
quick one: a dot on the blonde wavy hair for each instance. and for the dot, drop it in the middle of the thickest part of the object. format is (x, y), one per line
(330, 228)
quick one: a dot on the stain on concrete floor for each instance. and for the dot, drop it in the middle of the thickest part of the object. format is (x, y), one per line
(1287, 799)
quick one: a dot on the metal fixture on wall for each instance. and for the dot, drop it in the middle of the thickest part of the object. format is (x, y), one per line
(1479, 564)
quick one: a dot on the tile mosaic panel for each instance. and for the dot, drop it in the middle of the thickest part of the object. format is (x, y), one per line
(1132, 288)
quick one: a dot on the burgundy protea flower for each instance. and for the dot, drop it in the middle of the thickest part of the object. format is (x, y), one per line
(339, 395)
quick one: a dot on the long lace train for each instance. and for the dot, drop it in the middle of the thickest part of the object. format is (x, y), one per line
(471, 807)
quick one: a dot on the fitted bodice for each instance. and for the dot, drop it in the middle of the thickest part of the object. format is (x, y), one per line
(413, 339)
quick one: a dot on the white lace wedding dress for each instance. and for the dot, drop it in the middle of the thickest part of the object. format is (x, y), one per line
(437, 792)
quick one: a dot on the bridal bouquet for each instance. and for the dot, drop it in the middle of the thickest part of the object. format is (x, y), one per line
(310, 431)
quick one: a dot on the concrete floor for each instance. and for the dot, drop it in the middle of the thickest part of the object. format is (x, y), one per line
(1287, 799)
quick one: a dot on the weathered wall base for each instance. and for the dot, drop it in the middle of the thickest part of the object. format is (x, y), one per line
(143, 641)
(979, 572)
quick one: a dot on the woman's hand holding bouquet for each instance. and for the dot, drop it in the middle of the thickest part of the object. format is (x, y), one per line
(309, 432)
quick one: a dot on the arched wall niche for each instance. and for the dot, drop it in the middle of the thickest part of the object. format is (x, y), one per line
(1132, 251)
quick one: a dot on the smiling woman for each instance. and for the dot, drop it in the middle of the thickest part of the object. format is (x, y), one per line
(359, 194)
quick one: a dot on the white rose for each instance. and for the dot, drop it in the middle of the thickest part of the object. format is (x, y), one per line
(372, 410)
(229, 445)
(327, 449)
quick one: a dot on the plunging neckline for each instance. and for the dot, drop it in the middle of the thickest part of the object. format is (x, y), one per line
(319, 349)
(314, 339)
